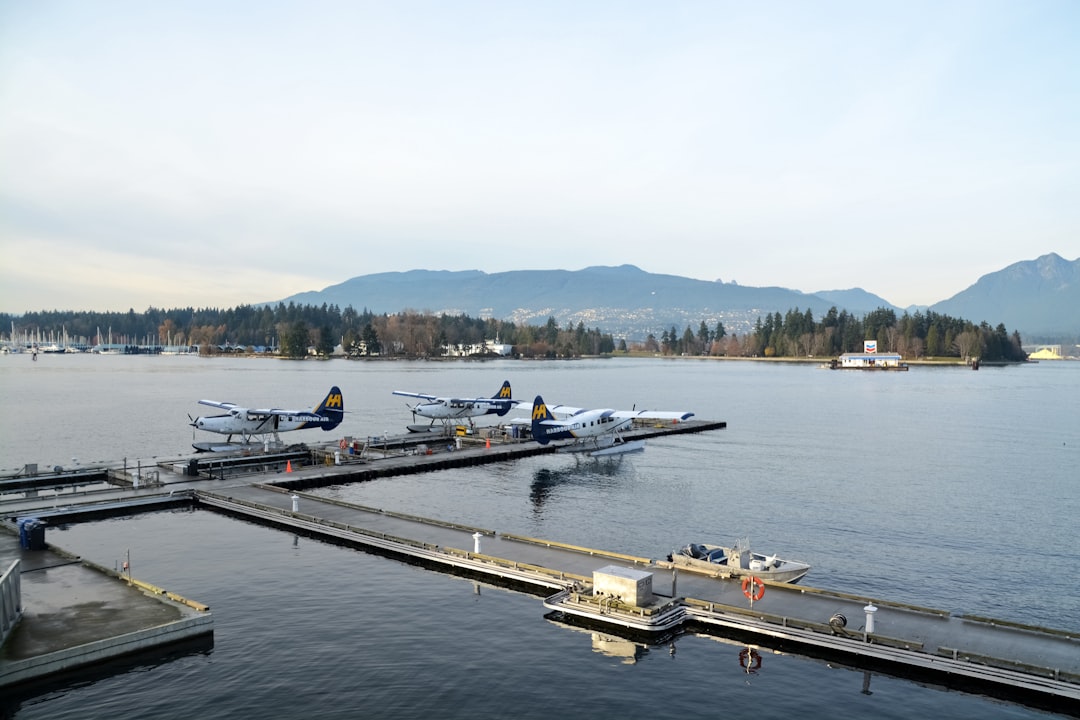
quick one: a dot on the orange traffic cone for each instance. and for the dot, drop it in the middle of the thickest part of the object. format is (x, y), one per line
(487, 443)
(288, 466)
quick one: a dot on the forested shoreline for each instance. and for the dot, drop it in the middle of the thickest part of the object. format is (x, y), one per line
(303, 330)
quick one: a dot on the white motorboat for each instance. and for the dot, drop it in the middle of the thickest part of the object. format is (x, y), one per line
(737, 561)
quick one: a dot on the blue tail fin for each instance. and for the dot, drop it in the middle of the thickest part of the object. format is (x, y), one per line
(503, 394)
(539, 415)
(332, 407)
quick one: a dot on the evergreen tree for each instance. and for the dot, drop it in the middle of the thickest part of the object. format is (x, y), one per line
(294, 343)
(933, 342)
(371, 340)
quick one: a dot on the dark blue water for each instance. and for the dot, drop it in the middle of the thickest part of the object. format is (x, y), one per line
(940, 487)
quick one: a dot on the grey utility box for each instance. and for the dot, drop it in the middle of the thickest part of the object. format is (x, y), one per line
(631, 586)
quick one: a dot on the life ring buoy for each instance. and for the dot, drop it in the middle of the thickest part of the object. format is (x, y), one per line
(753, 587)
(343, 444)
(750, 660)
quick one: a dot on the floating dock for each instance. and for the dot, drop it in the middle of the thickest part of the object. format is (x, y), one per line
(637, 597)
(116, 617)
(1008, 659)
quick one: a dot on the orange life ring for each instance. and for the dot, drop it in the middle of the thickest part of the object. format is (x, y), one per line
(750, 660)
(749, 583)
(343, 444)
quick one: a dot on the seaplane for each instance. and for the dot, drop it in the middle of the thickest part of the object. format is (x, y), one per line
(249, 423)
(596, 432)
(454, 409)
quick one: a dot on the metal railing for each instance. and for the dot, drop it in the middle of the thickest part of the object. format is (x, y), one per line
(10, 600)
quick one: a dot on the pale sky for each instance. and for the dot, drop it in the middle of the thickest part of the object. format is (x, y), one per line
(212, 154)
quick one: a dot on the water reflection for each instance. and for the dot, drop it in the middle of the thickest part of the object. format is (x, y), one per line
(35, 691)
(593, 472)
(613, 646)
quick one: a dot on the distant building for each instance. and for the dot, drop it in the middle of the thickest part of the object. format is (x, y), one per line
(478, 350)
(1047, 352)
(871, 361)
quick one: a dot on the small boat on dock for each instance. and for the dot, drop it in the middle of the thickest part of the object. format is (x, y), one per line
(738, 560)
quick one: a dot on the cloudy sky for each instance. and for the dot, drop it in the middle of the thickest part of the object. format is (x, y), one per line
(211, 154)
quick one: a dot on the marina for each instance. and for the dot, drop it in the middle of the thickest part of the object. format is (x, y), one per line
(651, 597)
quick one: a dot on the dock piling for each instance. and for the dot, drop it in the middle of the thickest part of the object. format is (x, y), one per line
(870, 610)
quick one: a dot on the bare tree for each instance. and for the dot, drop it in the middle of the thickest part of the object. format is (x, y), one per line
(967, 344)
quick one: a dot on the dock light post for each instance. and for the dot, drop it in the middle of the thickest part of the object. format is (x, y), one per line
(476, 542)
(870, 610)
(295, 502)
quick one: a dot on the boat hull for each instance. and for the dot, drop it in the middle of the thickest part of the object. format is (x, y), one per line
(757, 565)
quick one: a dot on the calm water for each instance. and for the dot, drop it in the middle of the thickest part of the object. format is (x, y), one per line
(940, 487)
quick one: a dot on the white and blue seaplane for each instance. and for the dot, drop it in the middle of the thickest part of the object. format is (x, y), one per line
(251, 423)
(454, 409)
(596, 432)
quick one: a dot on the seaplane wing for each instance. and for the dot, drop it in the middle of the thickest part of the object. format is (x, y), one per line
(566, 411)
(421, 396)
(655, 414)
(449, 409)
(221, 405)
(249, 422)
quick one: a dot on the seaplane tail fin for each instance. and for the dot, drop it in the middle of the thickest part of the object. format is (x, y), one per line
(540, 414)
(503, 394)
(332, 407)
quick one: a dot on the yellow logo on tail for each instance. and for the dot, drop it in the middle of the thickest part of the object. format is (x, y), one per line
(333, 401)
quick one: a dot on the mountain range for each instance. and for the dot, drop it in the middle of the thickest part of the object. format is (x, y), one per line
(1039, 298)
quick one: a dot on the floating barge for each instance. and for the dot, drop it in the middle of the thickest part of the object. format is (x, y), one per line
(869, 361)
